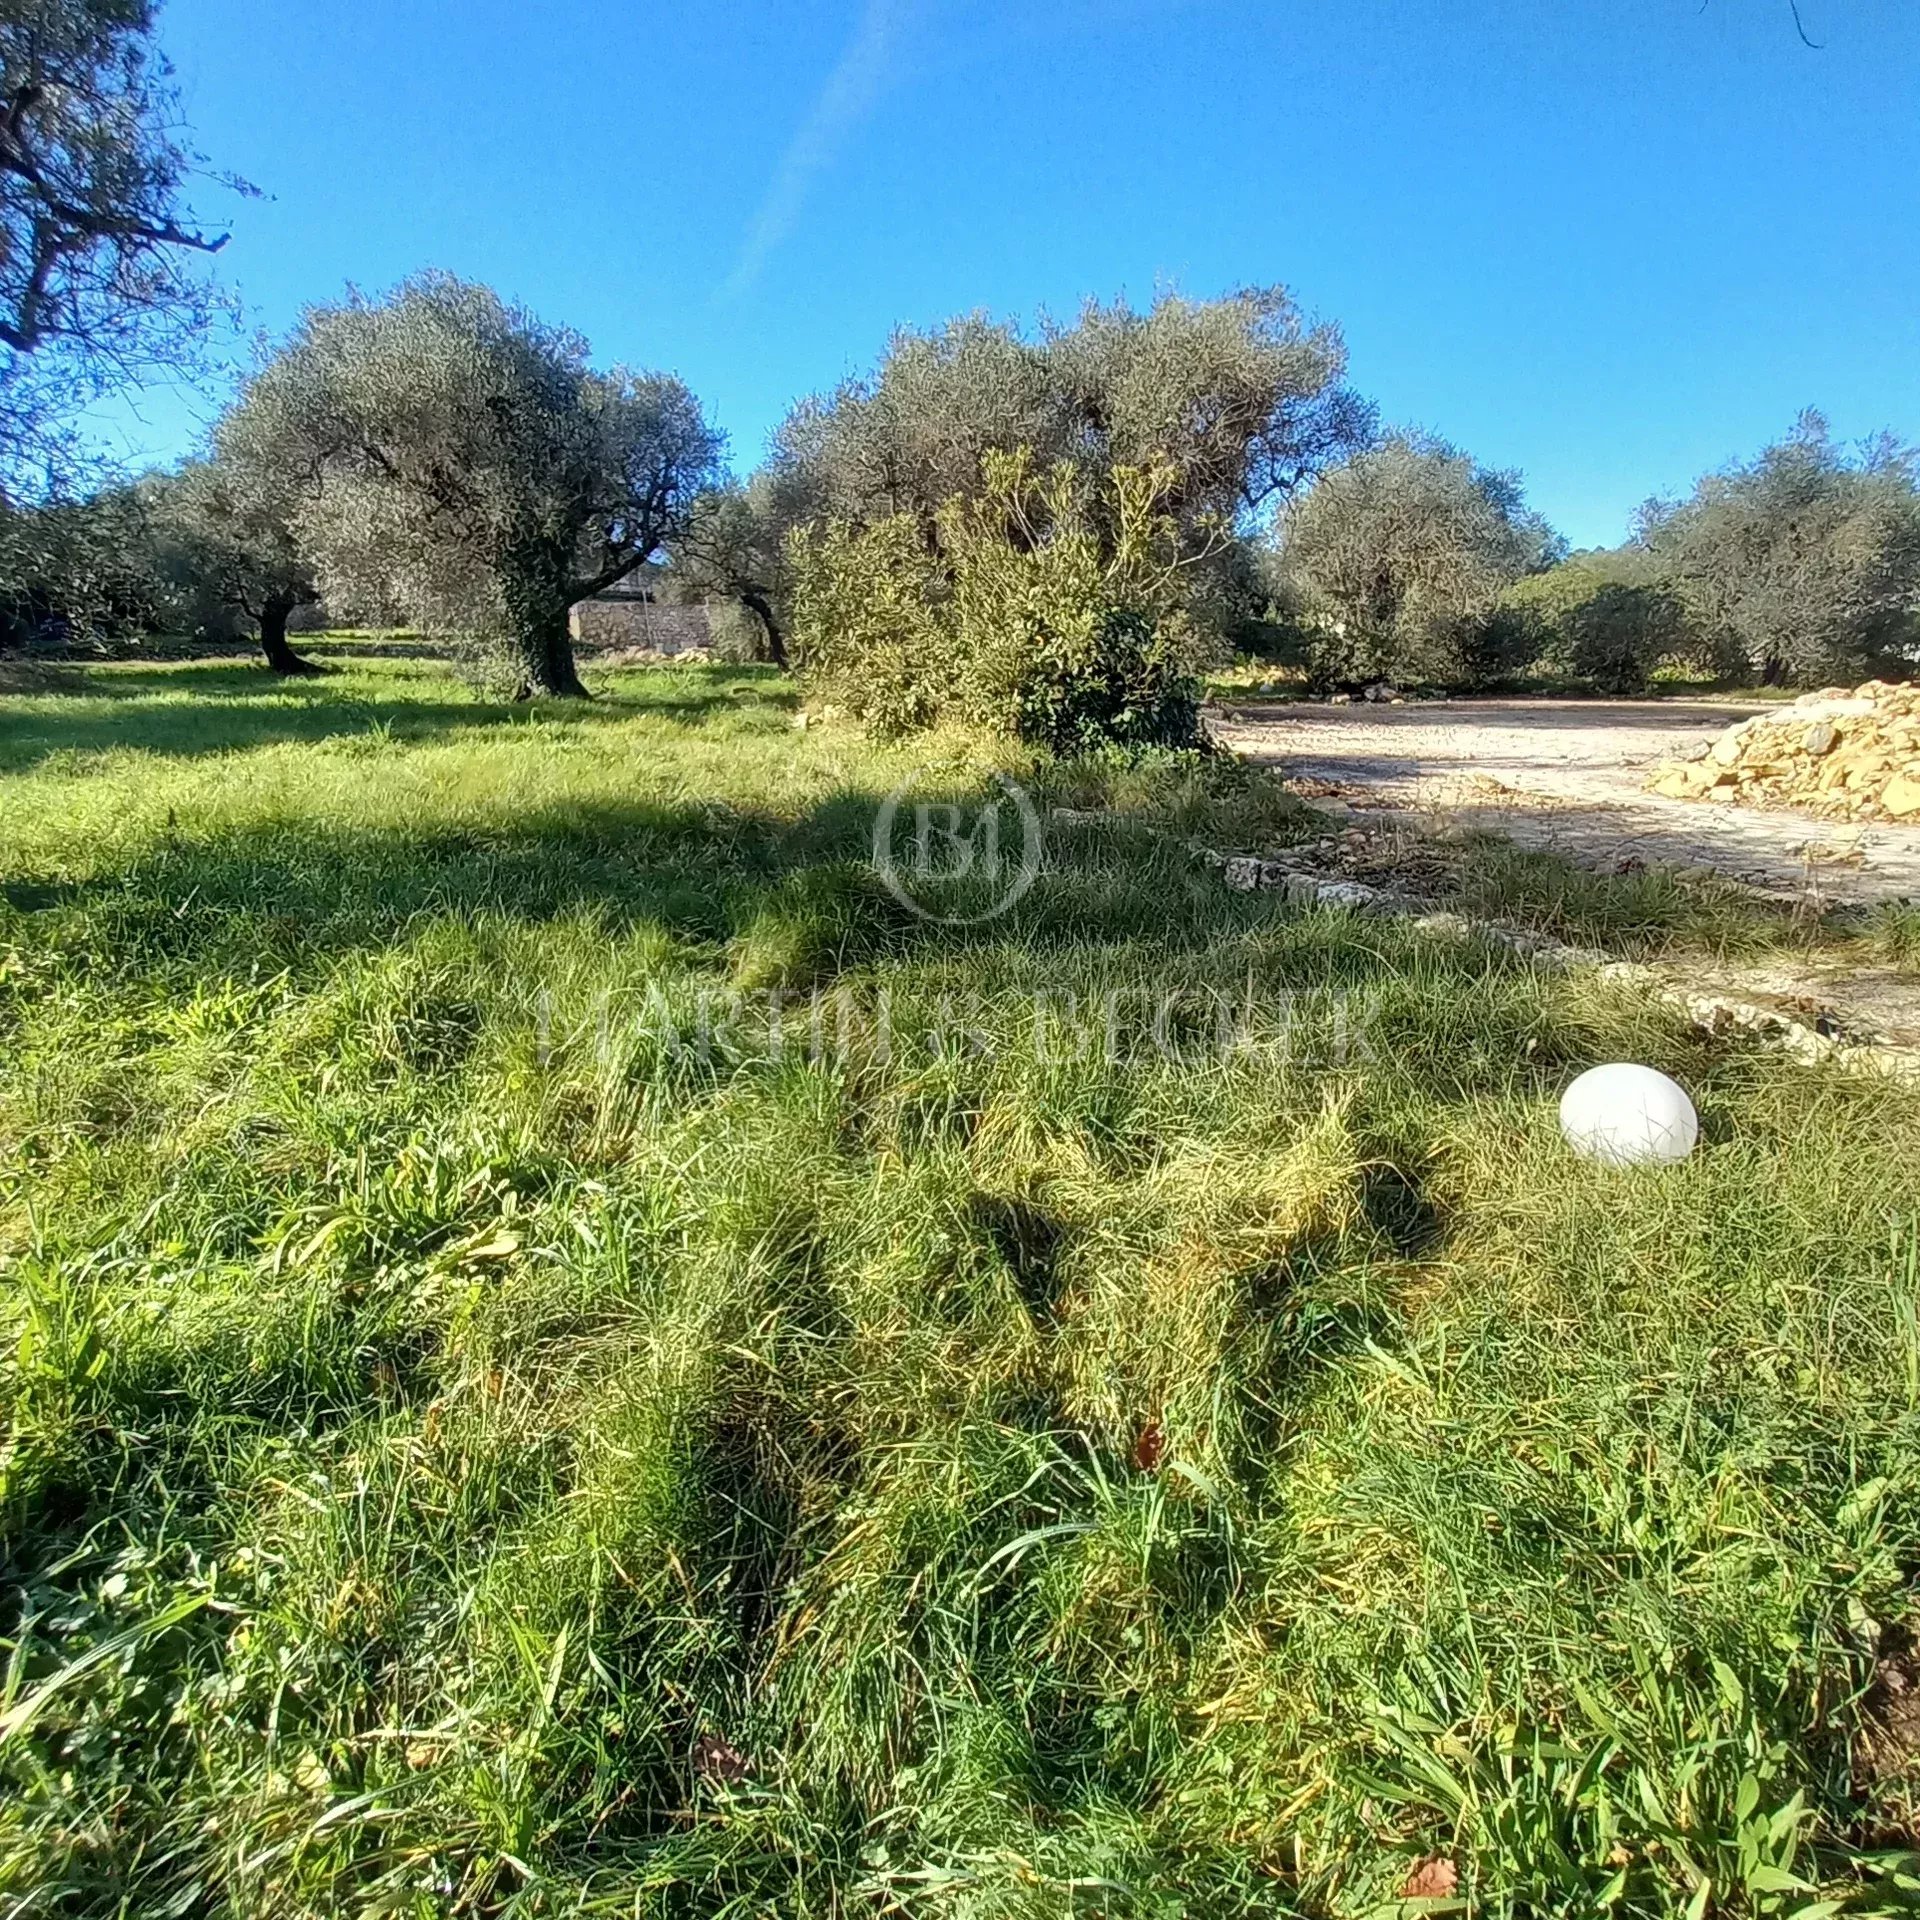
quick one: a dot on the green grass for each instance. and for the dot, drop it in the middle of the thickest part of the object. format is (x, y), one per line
(471, 1449)
(1657, 913)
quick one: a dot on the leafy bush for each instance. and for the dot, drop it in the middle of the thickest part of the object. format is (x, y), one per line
(1067, 611)
(1048, 607)
(870, 621)
(1400, 557)
(1617, 636)
(1590, 621)
(80, 568)
(733, 634)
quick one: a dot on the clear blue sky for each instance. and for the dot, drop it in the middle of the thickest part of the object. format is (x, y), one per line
(1608, 242)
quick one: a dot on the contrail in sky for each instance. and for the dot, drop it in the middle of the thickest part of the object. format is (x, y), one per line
(851, 89)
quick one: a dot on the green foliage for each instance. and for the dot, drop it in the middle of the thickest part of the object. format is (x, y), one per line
(472, 1450)
(870, 621)
(465, 467)
(1234, 402)
(1544, 600)
(1599, 621)
(80, 568)
(1617, 636)
(1068, 616)
(1803, 564)
(1049, 611)
(100, 281)
(1239, 397)
(1400, 557)
(912, 435)
(224, 545)
(732, 549)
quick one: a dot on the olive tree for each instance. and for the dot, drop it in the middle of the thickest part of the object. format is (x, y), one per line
(460, 461)
(1234, 402)
(1240, 399)
(224, 544)
(1804, 563)
(101, 264)
(79, 567)
(1401, 555)
(733, 546)
(1599, 618)
(913, 434)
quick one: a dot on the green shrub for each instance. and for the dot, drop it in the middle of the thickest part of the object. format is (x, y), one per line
(1586, 623)
(1067, 610)
(1047, 608)
(1617, 636)
(870, 625)
(1463, 652)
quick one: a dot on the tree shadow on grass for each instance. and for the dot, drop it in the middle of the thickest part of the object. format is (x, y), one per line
(802, 889)
(230, 708)
(757, 901)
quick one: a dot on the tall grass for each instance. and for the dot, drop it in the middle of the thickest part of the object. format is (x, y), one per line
(489, 1433)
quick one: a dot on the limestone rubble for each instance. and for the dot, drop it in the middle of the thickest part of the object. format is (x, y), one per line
(1843, 753)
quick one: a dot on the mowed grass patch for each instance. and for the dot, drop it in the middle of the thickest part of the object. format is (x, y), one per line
(566, 1352)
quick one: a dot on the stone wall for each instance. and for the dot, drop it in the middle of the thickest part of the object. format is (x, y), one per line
(612, 625)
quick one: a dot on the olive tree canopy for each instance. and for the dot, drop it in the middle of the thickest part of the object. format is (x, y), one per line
(1804, 563)
(458, 460)
(913, 434)
(1402, 554)
(1240, 398)
(100, 276)
(79, 567)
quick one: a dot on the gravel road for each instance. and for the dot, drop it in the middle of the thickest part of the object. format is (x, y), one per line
(1568, 775)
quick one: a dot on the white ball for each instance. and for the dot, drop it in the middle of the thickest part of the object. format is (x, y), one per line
(1628, 1116)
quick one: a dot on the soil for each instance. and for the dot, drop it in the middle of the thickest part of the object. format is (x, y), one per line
(1569, 776)
(1566, 777)
(1886, 1742)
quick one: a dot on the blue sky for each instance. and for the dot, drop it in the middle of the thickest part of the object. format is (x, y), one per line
(1608, 242)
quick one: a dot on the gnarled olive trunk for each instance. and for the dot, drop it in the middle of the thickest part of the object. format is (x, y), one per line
(537, 594)
(273, 641)
(546, 659)
(761, 608)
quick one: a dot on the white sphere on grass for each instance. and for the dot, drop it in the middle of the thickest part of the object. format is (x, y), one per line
(1628, 1116)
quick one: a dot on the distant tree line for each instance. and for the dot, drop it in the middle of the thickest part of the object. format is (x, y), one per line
(1049, 531)
(1412, 564)
(1050, 534)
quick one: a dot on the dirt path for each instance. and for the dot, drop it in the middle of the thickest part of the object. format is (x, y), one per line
(1568, 775)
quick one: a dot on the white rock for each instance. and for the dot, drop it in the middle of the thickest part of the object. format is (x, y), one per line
(1626, 1116)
